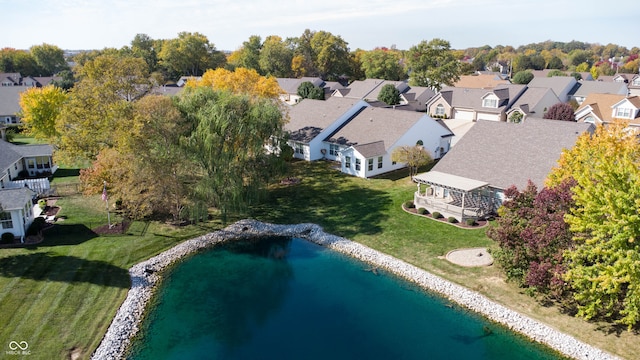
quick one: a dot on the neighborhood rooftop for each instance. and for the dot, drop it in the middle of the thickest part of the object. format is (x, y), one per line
(504, 154)
(310, 117)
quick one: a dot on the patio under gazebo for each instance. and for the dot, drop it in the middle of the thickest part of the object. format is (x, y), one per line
(452, 195)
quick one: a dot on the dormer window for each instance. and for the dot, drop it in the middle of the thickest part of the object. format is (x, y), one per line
(624, 113)
(490, 102)
(636, 81)
(590, 119)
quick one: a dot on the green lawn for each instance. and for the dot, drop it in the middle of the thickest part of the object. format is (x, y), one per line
(61, 295)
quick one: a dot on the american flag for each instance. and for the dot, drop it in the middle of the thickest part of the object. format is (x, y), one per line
(104, 192)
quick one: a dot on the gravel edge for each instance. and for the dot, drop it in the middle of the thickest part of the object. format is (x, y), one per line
(145, 275)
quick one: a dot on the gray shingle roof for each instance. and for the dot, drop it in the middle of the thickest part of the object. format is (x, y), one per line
(558, 84)
(504, 154)
(10, 99)
(370, 150)
(290, 85)
(472, 98)
(10, 153)
(531, 97)
(309, 117)
(585, 88)
(14, 199)
(374, 125)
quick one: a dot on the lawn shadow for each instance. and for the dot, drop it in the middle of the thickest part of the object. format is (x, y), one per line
(328, 198)
(46, 266)
(66, 172)
(65, 234)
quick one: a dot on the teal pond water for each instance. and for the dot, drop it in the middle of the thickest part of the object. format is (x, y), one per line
(291, 299)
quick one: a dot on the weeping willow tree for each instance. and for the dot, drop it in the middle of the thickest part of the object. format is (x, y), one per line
(227, 146)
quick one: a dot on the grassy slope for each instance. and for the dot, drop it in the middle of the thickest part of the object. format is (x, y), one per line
(62, 294)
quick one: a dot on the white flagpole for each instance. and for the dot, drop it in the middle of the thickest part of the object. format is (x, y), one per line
(106, 200)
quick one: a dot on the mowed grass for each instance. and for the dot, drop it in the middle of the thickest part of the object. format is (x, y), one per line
(60, 296)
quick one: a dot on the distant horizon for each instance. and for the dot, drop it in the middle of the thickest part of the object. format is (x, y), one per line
(94, 25)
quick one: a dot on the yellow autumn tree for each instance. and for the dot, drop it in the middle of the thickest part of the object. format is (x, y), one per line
(603, 269)
(40, 108)
(240, 82)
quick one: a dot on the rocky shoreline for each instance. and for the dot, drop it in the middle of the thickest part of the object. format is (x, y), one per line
(145, 275)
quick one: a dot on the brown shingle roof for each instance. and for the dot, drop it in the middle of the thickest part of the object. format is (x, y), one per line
(504, 154)
(601, 105)
(481, 81)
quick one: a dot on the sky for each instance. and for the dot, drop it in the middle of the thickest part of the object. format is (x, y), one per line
(364, 24)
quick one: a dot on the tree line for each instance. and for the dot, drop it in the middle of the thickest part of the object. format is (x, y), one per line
(164, 156)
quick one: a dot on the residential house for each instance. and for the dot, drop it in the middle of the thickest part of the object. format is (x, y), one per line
(10, 79)
(469, 182)
(184, 79)
(10, 104)
(606, 108)
(585, 88)
(480, 81)
(290, 87)
(634, 85)
(533, 102)
(23, 171)
(311, 121)
(416, 98)
(561, 85)
(364, 144)
(474, 104)
(369, 89)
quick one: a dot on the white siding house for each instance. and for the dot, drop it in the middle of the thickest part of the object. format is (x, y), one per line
(366, 142)
(311, 121)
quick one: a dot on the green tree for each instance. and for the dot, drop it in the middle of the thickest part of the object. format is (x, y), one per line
(516, 117)
(603, 270)
(389, 95)
(100, 104)
(227, 145)
(275, 57)
(40, 108)
(18, 61)
(555, 63)
(190, 54)
(412, 156)
(147, 170)
(144, 46)
(432, 64)
(49, 58)
(248, 56)
(382, 63)
(331, 55)
(556, 72)
(522, 77)
(307, 90)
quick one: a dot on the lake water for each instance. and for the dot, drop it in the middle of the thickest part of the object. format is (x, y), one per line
(292, 299)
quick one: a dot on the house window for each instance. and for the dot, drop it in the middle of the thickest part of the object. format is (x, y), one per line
(590, 119)
(334, 149)
(299, 148)
(623, 113)
(490, 103)
(439, 110)
(31, 163)
(370, 164)
(5, 220)
(636, 82)
(379, 162)
(357, 164)
(347, 161)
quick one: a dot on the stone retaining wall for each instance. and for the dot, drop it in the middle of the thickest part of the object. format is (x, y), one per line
(145, 275)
